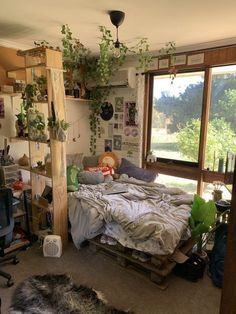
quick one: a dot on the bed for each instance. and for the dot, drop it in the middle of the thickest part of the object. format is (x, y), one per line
(148, 217)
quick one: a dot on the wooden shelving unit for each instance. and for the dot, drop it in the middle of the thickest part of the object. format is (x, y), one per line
(51, 63)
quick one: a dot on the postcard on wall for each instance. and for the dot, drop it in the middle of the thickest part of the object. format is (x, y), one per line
(119, 104)
(110, 129)
(107, 145)
(130, 114)
(163, 63)
(196, 59)
(116, 126)
(181, 59)
(2, 110)
(117, 141)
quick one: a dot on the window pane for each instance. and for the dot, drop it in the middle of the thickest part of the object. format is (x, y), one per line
(221, 134)
(189, 186)
(176, 116)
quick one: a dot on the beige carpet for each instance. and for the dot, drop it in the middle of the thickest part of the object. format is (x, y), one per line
(122, 287)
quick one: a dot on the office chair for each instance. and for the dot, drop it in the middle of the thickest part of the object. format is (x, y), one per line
(6, 230)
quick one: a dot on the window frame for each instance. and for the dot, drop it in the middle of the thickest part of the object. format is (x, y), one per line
(213, 57)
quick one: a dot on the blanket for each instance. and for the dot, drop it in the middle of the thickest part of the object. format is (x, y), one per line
(148, 217)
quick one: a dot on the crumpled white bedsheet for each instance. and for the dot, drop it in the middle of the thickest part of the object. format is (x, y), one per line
(149, 217)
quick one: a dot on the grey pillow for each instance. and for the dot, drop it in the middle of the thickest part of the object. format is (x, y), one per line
(131, 170)
(74, 160)
(90, 161)
(87, 177)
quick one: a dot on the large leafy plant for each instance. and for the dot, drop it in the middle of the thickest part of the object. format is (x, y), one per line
(203, 216)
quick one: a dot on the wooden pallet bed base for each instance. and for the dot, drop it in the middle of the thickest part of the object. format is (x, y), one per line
(158, 268)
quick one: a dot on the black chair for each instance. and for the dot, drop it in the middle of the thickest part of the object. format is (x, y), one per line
(6, 230)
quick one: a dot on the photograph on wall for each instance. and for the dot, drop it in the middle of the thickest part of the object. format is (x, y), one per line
(117, 140)
(116, 116)
(2, 111)
(121, 126)
(121, 116)
(116, 126)
(107, 145)
(119, 104)
(130, 114)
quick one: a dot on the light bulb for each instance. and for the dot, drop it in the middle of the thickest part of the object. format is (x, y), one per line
(116, 52)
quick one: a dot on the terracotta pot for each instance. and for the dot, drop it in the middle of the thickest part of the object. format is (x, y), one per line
(24, 161)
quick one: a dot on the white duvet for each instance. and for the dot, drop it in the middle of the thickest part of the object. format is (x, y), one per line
(149, 217)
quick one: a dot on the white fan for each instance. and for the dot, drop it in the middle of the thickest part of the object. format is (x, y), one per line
(52, 246)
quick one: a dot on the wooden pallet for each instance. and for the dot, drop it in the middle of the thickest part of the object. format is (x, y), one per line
(158, 268)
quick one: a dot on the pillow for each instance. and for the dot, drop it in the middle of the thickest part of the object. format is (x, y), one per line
(87, 177)
(71, 176)
(74, 159)
(131, 170)
(104, 169)
(90, 161)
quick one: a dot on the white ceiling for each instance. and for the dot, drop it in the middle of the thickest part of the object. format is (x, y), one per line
(193, 23)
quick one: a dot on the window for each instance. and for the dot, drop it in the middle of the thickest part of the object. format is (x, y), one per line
(190, 124)
(176, 112)
(221, 134)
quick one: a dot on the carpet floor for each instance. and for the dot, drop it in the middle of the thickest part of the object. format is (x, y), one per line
(122, 287)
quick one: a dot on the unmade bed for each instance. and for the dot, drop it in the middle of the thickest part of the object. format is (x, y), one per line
(148, 217)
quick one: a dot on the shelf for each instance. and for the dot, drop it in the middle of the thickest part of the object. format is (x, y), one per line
(35, 171)
(11, 94)
(27, 67)
(17, 244)
(17, 139)
(40, 205)
(77, 99)
(19, 213)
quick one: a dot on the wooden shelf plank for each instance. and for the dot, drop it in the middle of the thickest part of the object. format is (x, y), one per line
(27, 67)
(11, 94)
(77, 99)
(16, 245)
(17, 139)
(35, 171)
(39, 205)
(19, 213)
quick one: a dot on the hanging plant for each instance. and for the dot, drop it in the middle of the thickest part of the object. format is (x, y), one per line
(170, 50)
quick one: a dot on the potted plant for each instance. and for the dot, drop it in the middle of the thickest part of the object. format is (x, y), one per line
(203, 217)
(36, 125)
(41, 82)
(58, 128)
(21, 122)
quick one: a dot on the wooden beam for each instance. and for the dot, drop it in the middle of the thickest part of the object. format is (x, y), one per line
(204, 126)
(228, 299)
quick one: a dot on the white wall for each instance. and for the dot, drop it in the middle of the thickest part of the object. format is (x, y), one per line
(77, 114)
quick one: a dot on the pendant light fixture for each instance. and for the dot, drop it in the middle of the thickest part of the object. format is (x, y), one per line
(117, 18)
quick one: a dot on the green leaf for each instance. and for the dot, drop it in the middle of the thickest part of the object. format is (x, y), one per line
(197, 213)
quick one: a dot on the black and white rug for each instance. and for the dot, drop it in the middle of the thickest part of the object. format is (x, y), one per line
(57, 294)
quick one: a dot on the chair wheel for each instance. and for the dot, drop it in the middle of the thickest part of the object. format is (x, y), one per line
(10, 282)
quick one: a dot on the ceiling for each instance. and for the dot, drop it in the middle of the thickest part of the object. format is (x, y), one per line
(192, 24)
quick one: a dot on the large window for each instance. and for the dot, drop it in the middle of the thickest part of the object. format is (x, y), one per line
(221, 135)
(190, 124)
(176, 116)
